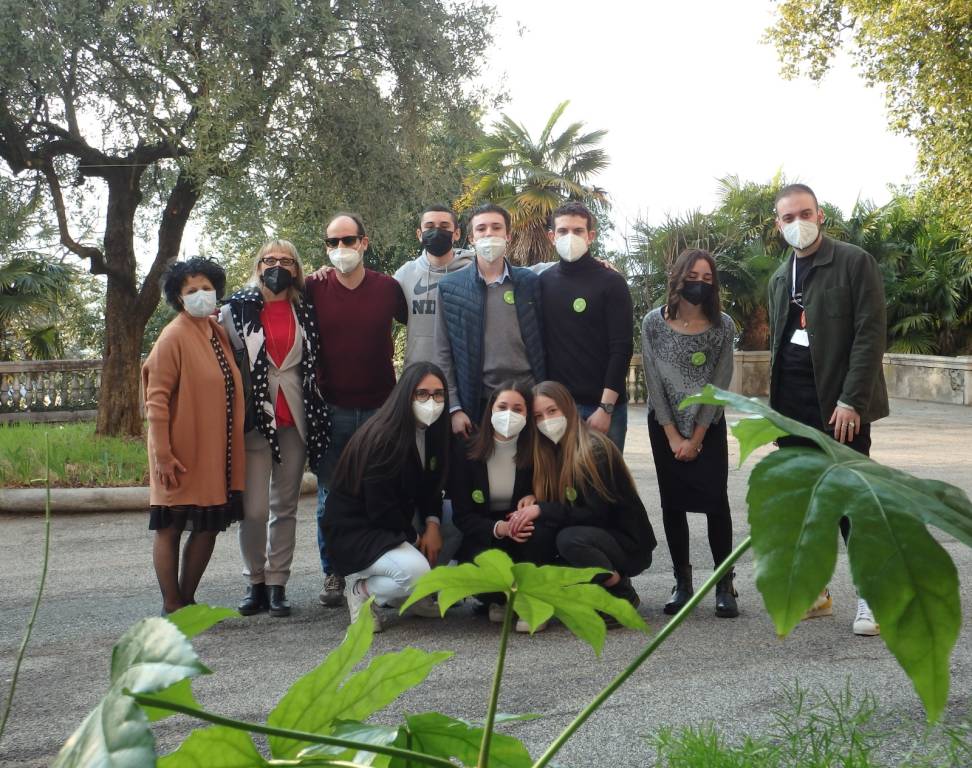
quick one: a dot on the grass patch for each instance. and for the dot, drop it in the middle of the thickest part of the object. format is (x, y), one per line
(79, 458)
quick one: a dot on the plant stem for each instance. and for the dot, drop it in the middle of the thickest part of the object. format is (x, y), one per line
(660, 638)
(483, 761)
(40, 589)
(269, 730)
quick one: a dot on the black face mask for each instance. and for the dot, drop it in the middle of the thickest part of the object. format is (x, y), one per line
(437, 241)
(277, 279)
(696, 292)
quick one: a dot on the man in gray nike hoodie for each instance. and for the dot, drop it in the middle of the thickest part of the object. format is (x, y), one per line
(438, 232)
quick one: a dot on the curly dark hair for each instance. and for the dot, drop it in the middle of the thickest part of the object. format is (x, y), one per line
(175, 277)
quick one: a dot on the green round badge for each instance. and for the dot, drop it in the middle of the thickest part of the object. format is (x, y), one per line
(508, 297)
(698, 358)
(433, 463)
(478, 496)
(571, 494)
(580, 305)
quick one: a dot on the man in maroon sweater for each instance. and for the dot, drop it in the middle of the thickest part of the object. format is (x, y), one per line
(355, 307)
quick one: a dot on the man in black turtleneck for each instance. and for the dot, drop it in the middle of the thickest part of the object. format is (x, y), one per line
(587, 324)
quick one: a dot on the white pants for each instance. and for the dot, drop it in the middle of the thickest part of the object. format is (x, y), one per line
(391, 578)
(269, 527)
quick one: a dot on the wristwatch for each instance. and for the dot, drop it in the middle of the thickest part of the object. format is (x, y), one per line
(608, 408)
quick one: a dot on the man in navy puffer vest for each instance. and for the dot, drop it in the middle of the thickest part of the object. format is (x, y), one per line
(488, 327)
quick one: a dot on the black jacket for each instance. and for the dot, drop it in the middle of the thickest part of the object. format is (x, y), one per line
(361, 528)
(469, 491)
(625, 519)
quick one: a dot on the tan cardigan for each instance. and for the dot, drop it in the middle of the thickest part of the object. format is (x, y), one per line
(185, 402)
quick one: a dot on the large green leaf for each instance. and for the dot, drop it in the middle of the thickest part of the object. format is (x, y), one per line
(194, 619)
(180, 693)
(383, 735)
(151, 656)
(796, 499)
(216, 747)
(324, 696)
(436, 734)
(541, 592)
(490, 571)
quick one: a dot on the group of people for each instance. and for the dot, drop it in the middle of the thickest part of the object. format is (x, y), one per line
(505, 429)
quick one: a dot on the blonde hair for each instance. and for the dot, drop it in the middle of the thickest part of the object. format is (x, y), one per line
(285, 247)
(573, 462)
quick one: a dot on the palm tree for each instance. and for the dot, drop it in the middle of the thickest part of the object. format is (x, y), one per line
(31, 290)
(531, 178)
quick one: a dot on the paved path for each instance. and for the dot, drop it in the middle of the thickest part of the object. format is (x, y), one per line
(732, 672)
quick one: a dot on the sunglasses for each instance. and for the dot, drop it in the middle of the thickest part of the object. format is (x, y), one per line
(283, 261)
(332, 242)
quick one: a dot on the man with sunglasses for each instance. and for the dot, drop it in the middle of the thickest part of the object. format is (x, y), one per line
(355, 308)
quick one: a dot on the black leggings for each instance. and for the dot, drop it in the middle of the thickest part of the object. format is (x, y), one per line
(586, 546)
(677, 534)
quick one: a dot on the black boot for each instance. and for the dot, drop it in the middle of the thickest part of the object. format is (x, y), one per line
(726, 595)
(681, 592)
(625, 591)
(255, 600)
(279, 605)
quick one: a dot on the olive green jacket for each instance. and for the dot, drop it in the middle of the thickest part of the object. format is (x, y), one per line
(843, 295)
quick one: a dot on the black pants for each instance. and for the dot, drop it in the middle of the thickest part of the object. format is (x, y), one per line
(677, 535)
(585, 546)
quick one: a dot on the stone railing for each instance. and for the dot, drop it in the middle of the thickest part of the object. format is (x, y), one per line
(910, 377)
(49, 390)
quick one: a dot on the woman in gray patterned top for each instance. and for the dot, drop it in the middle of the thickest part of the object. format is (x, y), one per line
(687, 344)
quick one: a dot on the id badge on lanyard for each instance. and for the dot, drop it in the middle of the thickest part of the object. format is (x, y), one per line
(800, 336)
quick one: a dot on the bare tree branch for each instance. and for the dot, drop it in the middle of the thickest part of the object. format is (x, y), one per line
(99, 265)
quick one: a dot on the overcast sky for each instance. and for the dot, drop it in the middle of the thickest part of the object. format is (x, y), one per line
(689, 94)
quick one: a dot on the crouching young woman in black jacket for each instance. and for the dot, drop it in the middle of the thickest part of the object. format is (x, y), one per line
(393, 466)
(585, 493)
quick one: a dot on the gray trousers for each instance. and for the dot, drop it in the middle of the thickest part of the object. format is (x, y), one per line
(269, 526)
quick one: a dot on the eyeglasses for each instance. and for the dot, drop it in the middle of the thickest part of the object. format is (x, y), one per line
(283, 261)
(332, 242)
(423, 395)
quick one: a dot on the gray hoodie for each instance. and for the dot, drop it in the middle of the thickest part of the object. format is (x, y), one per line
(420, 283)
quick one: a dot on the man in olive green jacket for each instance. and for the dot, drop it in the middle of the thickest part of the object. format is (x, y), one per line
(828, 331)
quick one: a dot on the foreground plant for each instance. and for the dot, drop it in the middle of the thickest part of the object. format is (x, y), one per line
(796, 498)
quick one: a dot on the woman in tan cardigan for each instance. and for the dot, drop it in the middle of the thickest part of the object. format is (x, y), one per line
(194, 405)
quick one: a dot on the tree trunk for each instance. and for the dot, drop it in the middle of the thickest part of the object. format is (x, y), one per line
(755, 330)
(118, 401)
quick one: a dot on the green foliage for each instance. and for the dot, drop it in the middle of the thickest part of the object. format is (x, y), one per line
(918, 51)
(79, 457)
(796, 499)
(540, 593)
(531, 177)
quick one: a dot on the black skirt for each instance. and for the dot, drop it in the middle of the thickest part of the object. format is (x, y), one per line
(692, 486)
(189, 517)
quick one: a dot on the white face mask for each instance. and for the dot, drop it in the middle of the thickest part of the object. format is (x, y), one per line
(426, 413)
(571, 247)
(508, 423)
(489, 249)
(345, 259)
(553, 428)
(200, 303)
(801, 233)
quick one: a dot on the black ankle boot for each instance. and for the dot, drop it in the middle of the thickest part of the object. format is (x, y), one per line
(625, 591)
(681, 592)
(279, 605)
(255, 600)
(726, 595)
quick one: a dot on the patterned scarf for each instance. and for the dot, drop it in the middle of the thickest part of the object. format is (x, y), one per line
(245, 307)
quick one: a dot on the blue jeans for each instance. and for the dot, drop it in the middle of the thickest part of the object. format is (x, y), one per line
(344, 423)
(619, 421)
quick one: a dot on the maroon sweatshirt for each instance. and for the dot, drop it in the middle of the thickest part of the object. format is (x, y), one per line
(355, 359)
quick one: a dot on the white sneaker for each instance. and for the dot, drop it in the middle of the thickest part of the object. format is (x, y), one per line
(864, 623)
(522, 626)
(427, 608)
(357, 599)
(497, 613)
